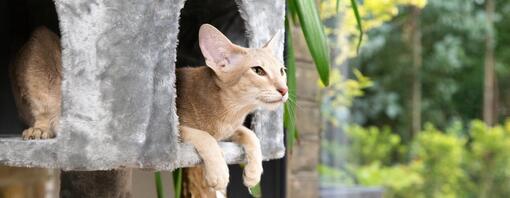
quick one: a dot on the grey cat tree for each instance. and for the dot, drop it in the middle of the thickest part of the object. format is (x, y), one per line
(118, 97)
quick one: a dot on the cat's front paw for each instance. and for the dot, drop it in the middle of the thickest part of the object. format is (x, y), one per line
(217, 176)
(34, 133)
(252, 173)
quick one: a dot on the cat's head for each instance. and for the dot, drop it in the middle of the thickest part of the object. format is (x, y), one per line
(253, 75)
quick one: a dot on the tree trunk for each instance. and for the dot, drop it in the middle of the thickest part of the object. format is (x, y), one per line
(113, 184)
(489, 99)
(417, 64)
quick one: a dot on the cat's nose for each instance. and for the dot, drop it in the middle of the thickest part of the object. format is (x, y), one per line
(283, 90)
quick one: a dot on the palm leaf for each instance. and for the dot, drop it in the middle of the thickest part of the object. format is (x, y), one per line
(314, 35)
(354, 5)
(292, 11)
(159, 185)
(256, 191)
(177, 177)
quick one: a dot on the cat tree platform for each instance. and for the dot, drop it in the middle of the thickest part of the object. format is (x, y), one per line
(118, 95)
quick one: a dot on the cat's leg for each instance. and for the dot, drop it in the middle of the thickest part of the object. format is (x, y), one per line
(43, 115)
(251, 144)
(216, 169)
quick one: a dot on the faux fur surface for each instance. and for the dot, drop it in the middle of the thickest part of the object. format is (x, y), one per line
(118, 94)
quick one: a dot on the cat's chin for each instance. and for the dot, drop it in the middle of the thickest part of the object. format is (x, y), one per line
(271, 105)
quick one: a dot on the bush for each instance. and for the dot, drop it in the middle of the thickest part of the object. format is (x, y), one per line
(441, 157)
(369, 145)
(489, 160)
(398, 180)
(440, 164)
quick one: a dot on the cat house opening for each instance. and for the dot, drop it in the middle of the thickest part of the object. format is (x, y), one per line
(20, 18)
(222, 14)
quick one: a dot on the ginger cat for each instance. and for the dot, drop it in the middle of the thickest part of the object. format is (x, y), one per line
(213, 102)
(36, 77)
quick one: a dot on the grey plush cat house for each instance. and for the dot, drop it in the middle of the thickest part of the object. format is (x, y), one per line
(118, 95)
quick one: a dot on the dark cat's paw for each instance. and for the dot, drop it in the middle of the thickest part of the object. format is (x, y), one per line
(35, 133)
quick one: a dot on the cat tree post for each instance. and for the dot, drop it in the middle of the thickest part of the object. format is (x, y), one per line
(115, 183)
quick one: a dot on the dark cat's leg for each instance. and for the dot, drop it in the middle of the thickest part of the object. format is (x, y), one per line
(40, 130)
(251, 145)
(35, 75)
(215, 169)
(43, 115)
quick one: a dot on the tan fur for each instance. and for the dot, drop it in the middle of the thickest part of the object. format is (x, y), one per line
(213, 102)
(36, 78)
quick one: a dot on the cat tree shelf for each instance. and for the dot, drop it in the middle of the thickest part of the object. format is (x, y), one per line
(41, 153)
(118, 96)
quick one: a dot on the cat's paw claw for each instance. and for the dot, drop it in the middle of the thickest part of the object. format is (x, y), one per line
(35, 133)
(252, 173)
(218, 177)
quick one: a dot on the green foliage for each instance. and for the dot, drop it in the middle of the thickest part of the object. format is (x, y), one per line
(332, 175)
(358, 22)
(159, 185)
(453, 156)
(370, 145)
(358, 17)
(341, 94)
(453, 34)
(441, 158)
(343, 91)
(451, 163)
(451, 75)
(398, 181)
(489, 159)
(256, 191)
(314, 35)
(177, 179)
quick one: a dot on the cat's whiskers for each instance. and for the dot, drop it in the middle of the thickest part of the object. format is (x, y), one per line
(291, 101)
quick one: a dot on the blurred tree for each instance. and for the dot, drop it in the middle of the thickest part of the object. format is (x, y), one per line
(452, 33)
(347, 82)
(489, 89)
(502, 53)
(453, 156)
(416, 48)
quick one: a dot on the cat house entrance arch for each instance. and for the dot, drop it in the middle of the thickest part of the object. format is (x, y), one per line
(118, 100)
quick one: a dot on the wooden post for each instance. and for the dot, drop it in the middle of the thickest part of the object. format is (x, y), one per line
(114, 183)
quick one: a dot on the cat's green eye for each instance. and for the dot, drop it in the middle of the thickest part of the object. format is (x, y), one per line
(258, 70)
(282, 71)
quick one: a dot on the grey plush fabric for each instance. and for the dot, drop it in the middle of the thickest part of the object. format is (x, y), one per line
(118, 97)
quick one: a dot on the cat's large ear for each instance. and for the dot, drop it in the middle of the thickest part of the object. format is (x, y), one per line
(272, 44)
(219, 53)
